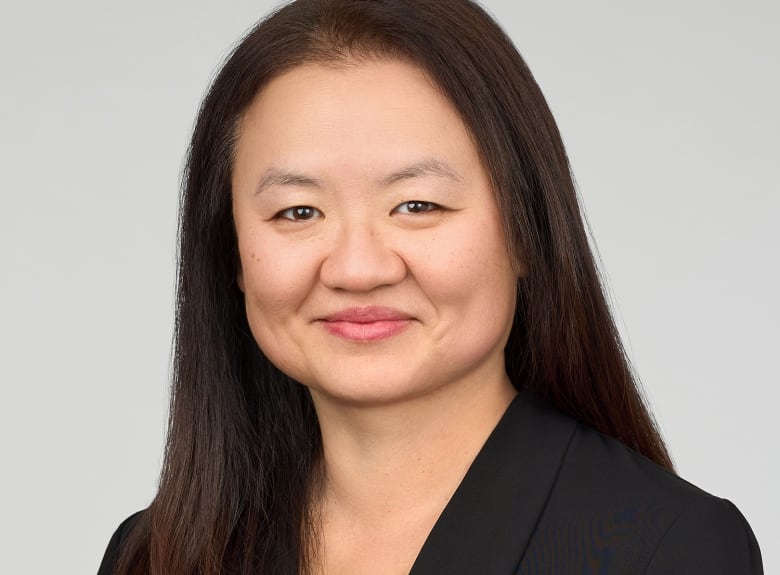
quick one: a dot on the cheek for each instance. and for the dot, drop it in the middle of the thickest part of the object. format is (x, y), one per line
(275, 288)
(467, 260)
(274, 276)
(265, 281)
(467, 275)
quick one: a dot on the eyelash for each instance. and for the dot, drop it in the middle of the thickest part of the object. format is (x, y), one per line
(416, 207)
(308, 213)
(291, 213)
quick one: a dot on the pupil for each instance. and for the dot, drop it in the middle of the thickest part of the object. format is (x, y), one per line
(302, 213)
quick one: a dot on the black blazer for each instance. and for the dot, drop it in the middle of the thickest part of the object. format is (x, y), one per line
(549, 496)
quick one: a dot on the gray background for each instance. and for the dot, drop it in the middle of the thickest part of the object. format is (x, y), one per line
(670, 113)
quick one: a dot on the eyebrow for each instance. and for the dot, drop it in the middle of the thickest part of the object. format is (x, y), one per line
(426, 167)
(277, 177)
(430, 166)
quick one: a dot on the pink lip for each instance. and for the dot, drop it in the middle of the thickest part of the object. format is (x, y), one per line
(370, 323)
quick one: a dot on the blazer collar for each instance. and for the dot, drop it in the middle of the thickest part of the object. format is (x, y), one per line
(486, 526)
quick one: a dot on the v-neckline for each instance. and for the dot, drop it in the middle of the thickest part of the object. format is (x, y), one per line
(486, 526)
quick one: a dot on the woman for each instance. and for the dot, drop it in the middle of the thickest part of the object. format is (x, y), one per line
(393, 353)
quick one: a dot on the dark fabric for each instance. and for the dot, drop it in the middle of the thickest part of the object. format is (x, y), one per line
(580, 503)
(108, 564)
(549, 496)
(493, 513)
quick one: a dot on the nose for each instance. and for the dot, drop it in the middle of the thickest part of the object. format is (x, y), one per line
(360, 260)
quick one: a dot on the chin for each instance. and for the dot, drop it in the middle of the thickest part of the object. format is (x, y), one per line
(367, 390)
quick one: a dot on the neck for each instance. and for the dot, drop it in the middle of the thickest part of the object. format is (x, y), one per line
(387, 464)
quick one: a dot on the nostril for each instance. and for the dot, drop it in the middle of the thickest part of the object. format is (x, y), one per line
(362, 262)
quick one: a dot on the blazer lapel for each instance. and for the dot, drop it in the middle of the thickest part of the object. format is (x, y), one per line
(486, 526)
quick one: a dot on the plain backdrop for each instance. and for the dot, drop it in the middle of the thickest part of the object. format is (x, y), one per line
(670, 113)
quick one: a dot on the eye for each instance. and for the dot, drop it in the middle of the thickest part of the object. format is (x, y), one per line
(299, 214)
(416, 207)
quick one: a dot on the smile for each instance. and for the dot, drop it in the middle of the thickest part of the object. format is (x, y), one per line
(367, 324)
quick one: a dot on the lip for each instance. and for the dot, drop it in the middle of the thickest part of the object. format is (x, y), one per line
(366, 323)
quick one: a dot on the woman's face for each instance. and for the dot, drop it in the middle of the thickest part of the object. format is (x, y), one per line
(372, 256)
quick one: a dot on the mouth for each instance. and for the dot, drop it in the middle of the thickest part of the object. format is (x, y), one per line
(370, 323)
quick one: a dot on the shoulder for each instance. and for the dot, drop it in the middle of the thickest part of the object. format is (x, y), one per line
(108, 564)
(710, 536)
(628, 513)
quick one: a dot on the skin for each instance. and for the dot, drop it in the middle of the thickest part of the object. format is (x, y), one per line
(376, 273)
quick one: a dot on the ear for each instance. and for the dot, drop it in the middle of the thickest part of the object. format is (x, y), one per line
(518, 262)
(240, 277)
(520, 267)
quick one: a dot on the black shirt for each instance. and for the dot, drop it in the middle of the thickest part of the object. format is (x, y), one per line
(547, 495)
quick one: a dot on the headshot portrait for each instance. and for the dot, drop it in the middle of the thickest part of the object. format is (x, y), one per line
(389, 287)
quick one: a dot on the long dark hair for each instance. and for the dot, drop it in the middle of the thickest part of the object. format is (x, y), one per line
(243, 448)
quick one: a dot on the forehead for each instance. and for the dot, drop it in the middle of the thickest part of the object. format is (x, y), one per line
(364, 112)
(358, 72)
